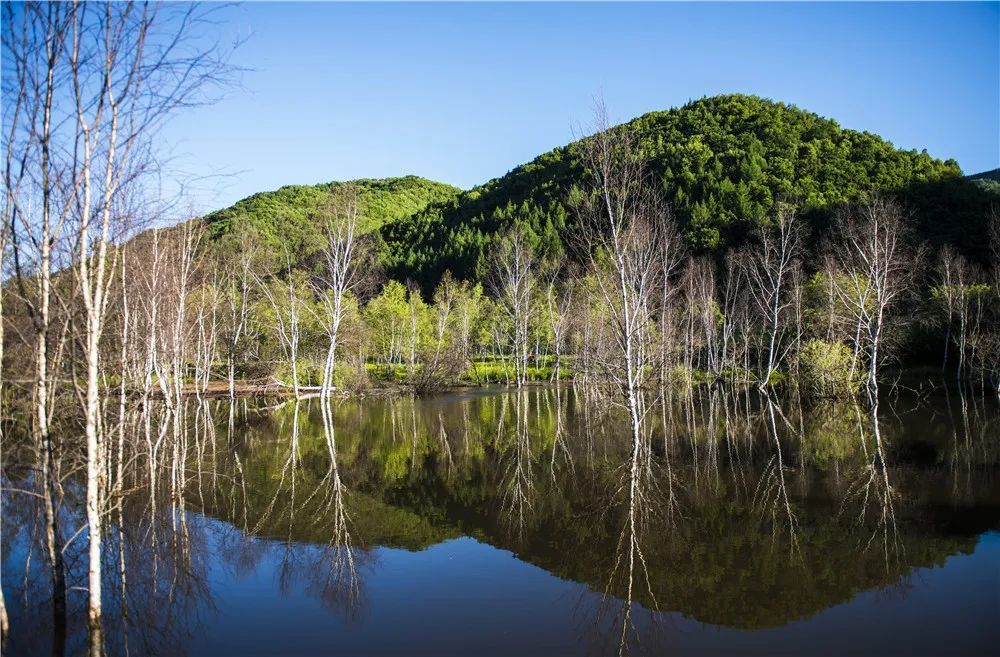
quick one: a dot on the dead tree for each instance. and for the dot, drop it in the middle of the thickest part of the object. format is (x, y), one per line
(285, 298)
(513, 281)
(769, 270)
(878, 265)
(624, 224)
(341, 273)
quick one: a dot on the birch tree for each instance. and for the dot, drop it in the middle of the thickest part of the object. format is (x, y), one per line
(341, 273)
(623, 231)
(769, 271)
(237, 265)
(513, 282)
(38, 201)
(90, 85)
(285, 299)
(873, 250)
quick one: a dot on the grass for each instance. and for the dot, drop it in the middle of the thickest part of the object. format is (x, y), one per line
(479, 371)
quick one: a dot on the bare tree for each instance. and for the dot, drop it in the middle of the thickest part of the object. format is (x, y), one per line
(91, 84)
(558, 301)
(208, 298)
(701, 310)
(38, 201)
(735, 310)
(769, 271)
(623, 223)
(878, 263)
(961, 293)
(285, 298)
(948, 269)
(513, 282)
(341, 273)
(4, 234)
(237, 286)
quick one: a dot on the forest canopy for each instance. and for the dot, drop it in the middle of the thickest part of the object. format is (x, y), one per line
(286, 217)
(724, 163)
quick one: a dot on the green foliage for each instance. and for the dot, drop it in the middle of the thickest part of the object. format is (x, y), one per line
(825, 369)
(351, 378)
(724, 163)
(830, 434)
(940, 293)
(285, 218)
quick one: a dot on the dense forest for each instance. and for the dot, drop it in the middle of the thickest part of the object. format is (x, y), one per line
(740, 179)
(725, 163)
(285, 218)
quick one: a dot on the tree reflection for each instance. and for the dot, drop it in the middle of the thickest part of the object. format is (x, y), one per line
(872, 493)
(771, 497)
(338, 583)
(683, 518)
(518, 478)
(630, 569)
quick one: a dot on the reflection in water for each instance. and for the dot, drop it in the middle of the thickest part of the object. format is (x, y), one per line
(731, 508)
(771, 496)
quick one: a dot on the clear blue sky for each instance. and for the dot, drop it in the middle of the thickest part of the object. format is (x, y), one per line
(462, 93)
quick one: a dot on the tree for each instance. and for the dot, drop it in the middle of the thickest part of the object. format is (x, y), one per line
(770, 266)
(286, 298)
(38, 201)
(625, 223)
(558, 301)
(872, 247)
(238, 258)
(513, 281)
(91, 84)
(386, 318)
(342, 273)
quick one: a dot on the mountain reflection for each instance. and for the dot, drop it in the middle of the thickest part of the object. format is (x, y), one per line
(737, 510)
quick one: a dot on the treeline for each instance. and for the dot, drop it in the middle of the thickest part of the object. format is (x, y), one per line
(192, 315)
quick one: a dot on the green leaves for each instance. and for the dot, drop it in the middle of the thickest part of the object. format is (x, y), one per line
(725, 163)
(287, 217)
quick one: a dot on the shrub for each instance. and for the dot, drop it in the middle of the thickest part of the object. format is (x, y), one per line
(825, 370)
(350, 377)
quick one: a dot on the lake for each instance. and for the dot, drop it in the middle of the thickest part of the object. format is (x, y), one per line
(502, 522)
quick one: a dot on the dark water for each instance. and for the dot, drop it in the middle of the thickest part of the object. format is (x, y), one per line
(528, 523)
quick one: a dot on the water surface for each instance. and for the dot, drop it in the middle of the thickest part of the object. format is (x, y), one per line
(502, 522)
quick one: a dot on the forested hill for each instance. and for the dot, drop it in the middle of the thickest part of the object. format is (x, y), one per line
(724, 162)
(286, 216)
(988, 180)
(993, 174)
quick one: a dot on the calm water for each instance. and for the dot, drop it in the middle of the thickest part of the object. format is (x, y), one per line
(525, 523)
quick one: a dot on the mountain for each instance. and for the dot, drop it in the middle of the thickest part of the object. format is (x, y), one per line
(724, 162)
(993, 174)
(286, 216)
(988, 181)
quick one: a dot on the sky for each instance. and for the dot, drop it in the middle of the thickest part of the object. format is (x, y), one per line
(462, 93)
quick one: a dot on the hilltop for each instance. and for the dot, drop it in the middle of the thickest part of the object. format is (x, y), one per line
(724, 162)
(286, 215)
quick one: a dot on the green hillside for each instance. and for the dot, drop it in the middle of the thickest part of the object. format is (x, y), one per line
(723, 161)
(288, 214)
(988, 181)
(992, 174)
